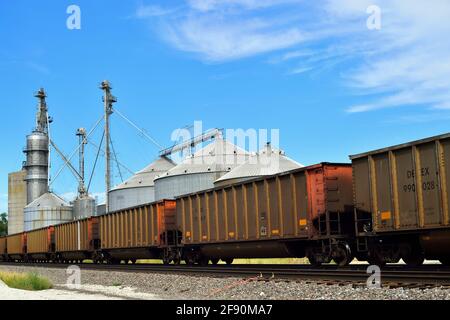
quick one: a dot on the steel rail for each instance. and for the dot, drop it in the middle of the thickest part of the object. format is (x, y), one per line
(436, 275)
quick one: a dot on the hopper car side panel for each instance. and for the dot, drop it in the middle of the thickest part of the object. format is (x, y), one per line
(77, 240)
(278, 216)
(3, 248)
(137, 233)
(40, 243)
(402, 200)
(17, 246)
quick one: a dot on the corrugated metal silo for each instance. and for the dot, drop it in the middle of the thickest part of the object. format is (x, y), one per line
(140, 188)
(47, 210)
(199, 171)
(84, 207)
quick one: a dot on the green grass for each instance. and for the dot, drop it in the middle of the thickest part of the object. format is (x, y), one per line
(25, 281)
(246, 261)
(272, 261)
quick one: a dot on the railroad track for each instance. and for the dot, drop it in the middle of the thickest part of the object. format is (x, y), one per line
(392, 276)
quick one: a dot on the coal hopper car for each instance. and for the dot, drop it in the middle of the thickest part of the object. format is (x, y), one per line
(402, 202)
(305, 212)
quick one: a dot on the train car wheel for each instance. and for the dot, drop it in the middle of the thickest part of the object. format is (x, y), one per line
(313, 260)
(190, 261)
(342, 255)
(445, 261)
(203, 261)
(413, 257)
(414, 260)
(215, 261)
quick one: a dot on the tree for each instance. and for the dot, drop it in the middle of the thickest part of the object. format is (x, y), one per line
(3, 224)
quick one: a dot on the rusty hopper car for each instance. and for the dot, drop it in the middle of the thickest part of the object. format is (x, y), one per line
(306, 212)
(77, 240)
(41, 244)
(16, 246)
(3, 250)
(402, 200)
(136, 233)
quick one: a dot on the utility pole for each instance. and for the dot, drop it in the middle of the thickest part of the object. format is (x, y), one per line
(108, 100)
(81, 133)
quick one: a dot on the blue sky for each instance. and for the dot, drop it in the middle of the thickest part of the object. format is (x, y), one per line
(311, 69)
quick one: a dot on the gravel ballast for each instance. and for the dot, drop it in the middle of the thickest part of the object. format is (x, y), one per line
(152, 286)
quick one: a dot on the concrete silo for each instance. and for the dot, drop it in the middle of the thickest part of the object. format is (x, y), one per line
(199, 171)
(17, 200)
(269, 161)
(140, 188)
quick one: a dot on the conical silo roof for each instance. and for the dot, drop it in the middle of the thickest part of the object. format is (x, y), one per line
(146, 177)
(48, 200)
(218, 156)
(269, 161)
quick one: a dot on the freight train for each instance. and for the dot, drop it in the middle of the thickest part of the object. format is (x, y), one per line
(387, 205)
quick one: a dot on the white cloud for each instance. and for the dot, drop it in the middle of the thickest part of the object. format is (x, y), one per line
(152, 11)
(223, 30)
(300, 70)
(221, 41)
(405, 63)
(71, 196)
(209, 5)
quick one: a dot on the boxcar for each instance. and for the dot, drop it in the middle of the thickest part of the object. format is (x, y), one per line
(402, 200)
(41, 244)
(136, 233)
(77, 240)
(288, 215)
(17, 246)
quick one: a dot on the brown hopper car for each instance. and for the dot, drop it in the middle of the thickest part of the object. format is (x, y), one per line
(288, 215)
(40, 243)
(16, 246)
(136, 233)
(77, 240)
(402, 194)
(389, 204)
(3, 249)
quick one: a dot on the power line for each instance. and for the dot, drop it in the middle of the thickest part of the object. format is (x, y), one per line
(142, 131)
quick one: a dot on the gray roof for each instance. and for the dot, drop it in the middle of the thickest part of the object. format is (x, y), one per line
(146, 177)
(48, 200)
(267, 162)
(218, 156)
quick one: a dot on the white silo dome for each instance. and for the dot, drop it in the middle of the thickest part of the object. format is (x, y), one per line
(267, 162)
(47, 210)
(199, 171)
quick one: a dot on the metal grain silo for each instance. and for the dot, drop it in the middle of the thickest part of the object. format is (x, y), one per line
(37, 152)
(269, 161)
(84, 207)
(47, 210)
(199, 171)
(140, 188)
